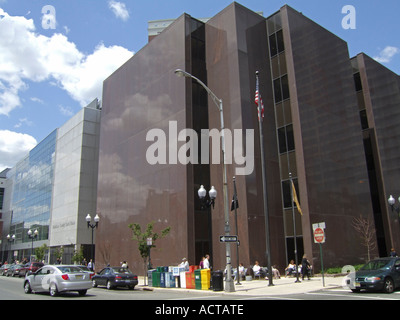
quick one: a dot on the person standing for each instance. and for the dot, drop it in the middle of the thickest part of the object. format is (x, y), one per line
(305, 267)
(91, 265)
(184, 264)
(206, 262)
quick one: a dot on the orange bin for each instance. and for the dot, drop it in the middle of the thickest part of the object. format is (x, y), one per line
(190, 280)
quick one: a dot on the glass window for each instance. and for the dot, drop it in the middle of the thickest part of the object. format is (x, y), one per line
(286, 139)
(364, 119)
(282, 140)
(287, 203)
(279, 40)
(357, 81)
(273, 48)
(290, 137)
(277, 90)
(285, 87)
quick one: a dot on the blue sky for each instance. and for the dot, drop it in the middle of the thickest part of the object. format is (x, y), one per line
(48, 72)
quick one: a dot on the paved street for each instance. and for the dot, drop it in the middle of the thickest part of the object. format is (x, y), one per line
(283, 289)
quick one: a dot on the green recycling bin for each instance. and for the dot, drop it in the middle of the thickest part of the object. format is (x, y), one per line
(197, 279)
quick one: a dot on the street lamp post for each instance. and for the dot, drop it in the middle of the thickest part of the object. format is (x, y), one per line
(391, 202)
(208, 204)
(32, 236)
(10, 239)
(229, 284)
(92, 226)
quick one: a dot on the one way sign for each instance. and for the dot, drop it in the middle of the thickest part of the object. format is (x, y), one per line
(228, 238)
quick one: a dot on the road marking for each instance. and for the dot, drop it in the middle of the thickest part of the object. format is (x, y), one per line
(268, 298)
(347, 296)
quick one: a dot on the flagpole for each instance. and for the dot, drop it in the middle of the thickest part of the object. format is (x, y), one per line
(294, 229)
(264, 182)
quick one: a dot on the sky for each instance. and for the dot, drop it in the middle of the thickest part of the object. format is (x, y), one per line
(55, 54)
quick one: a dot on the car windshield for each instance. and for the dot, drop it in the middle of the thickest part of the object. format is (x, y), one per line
(122, 270)
(70, 269)
(377, 265)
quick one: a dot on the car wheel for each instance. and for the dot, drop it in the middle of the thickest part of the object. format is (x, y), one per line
(82, 292)
(388, 286)
(132, 287)
(94, 284)
(355, 290)
(53, 290)
(27, 287)
(109, 285)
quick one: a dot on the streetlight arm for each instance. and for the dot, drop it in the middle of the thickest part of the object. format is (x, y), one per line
(217, 101)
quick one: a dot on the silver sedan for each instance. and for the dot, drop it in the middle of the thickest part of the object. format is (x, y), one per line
(58, 278)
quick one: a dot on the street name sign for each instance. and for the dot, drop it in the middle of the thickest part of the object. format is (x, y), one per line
(228, 238)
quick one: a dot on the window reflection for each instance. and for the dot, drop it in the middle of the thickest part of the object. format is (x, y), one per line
(32, 191)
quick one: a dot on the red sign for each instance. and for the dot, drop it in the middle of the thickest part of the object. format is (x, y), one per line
(319, 235)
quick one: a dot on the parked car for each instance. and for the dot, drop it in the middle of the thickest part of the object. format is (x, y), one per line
(112, 277)
(30, 268)
(57, 279)
(14, 270)
(382, 274)
(88, 270)
(4, 268)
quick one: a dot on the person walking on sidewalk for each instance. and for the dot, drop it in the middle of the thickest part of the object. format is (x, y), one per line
(305, 267)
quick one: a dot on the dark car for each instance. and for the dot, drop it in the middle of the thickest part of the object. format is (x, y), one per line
(4, 268)
(112, 277)
(382, 274)
(29, 268)
(14, 270)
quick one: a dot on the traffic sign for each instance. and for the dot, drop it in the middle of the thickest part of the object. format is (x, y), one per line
(228, 238)
(319, 235)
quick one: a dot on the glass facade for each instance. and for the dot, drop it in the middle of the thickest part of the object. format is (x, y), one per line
(32, 191)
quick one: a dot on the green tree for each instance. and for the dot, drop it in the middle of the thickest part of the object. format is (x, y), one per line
(78, 256)
(142, 237)
(41, 252)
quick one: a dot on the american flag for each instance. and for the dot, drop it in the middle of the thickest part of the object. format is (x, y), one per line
(259, 102)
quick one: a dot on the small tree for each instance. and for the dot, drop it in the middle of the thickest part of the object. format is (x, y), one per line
(58, 253)
(41, 252)
(137, 235)
(366, 230)
(78, 256)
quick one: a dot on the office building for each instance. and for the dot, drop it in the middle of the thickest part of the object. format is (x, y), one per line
(52, 189)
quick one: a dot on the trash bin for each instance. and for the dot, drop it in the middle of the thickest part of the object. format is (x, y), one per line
(162, 279)
(190, 281)
(197, 279)
(205, 279)
(182, 277)
(150, 276)
(156, 278)
(218, 280)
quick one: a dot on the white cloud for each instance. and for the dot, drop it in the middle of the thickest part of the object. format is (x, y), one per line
(119, 9)
(66, 111)
(386, 55)
(13, 147)
(27, 55)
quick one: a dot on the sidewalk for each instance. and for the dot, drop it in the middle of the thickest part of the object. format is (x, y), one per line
(281, 286)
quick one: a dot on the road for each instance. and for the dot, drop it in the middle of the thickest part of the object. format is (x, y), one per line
(12, 289)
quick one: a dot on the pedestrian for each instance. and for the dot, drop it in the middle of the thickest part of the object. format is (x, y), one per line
(305, 267)
(393, 253)
(206, 262)
(91, 265)
(124, 264)
(184, 264)
(201, 264)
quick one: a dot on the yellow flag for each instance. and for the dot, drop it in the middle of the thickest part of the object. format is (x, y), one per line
(295, 199)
